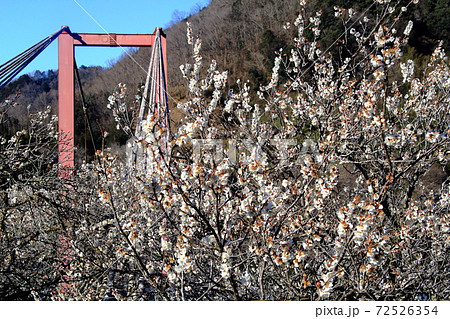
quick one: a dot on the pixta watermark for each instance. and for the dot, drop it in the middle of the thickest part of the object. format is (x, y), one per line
(220, 149)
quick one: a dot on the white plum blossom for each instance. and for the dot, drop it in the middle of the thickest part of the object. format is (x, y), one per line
(408, 28)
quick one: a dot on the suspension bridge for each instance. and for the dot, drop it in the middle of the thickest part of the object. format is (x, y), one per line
(154, 102)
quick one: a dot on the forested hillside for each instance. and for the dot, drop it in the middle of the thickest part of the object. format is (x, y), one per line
(243, 35)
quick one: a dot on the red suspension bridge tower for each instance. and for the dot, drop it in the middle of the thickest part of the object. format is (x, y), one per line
(67, 41)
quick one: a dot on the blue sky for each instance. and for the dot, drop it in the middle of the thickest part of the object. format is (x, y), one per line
(26, 22)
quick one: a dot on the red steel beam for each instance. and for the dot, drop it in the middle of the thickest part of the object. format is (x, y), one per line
(66, 103)
(112, 39)
(66, 96)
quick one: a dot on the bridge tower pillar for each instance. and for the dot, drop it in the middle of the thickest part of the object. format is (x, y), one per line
(66, 99)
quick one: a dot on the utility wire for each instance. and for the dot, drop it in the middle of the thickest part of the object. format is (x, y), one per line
(123, 49)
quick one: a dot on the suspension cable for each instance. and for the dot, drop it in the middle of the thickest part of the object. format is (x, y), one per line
(11, 68)
(86, 117)
(154, 101)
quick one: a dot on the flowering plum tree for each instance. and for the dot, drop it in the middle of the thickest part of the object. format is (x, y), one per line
(315, 189)
(32, 208)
